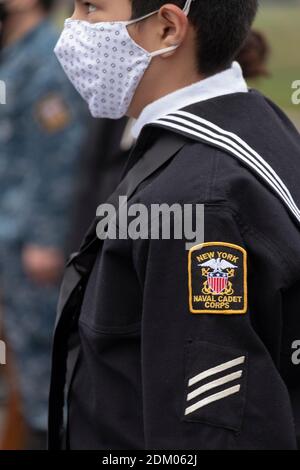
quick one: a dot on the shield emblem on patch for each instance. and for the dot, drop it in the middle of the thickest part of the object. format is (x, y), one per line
(217, 281)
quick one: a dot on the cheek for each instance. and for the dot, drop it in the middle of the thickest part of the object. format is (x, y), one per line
(139, 35)
(79, 12)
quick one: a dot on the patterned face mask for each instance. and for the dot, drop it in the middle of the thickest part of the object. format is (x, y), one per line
(104, 63)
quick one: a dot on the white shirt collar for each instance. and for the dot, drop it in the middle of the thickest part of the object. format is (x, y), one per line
(221, 84)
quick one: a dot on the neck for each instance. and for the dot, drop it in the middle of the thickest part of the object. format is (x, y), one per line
(168, 83)
(17, 25)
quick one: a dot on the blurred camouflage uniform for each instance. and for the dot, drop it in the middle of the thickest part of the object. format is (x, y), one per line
(41, 129)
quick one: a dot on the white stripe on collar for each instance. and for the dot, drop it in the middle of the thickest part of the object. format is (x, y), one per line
(203, 130)
(224, 83)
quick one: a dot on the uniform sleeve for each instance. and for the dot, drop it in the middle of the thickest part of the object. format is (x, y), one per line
(211, 326)
(54, 127)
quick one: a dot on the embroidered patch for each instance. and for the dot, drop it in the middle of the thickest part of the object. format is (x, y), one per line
(217, 278)
(52, 113)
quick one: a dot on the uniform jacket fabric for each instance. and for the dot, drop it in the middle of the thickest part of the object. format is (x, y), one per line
(101, 167)
(162, 364)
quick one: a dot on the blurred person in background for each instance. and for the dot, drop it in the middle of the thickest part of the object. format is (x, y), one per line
(41, 129)
(254, 56)
(2, 18)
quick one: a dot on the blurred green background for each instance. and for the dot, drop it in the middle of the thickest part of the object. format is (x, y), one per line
(280, 21)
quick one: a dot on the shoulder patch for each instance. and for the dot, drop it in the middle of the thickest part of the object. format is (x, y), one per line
(217, 275)
(52, 113)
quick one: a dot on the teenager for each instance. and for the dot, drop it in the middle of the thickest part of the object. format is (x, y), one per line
(157, 345)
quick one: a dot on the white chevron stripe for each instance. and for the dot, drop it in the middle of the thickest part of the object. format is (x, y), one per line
(276, 183)
(212, 398)
(214, 384)
(241, 142)
(216, 370)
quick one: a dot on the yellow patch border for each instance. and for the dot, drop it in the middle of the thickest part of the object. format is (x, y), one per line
(219, 312)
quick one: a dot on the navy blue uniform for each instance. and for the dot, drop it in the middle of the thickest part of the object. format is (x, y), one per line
(191, 349)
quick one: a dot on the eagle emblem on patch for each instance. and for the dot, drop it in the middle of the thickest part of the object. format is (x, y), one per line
(217, 278)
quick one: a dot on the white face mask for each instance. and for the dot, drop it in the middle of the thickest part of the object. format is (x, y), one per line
(104, 63)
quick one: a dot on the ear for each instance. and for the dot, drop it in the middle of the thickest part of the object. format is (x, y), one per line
(173, 26)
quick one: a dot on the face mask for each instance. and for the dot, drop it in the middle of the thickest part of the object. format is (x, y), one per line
(104, 63)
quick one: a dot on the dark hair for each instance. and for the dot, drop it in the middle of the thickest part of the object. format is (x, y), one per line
(254, 55)
(221, 26)
(47, 4)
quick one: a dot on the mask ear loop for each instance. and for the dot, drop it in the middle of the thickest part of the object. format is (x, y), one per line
(186, 10)
(187, 7)
(136, 20)
(163, 51)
